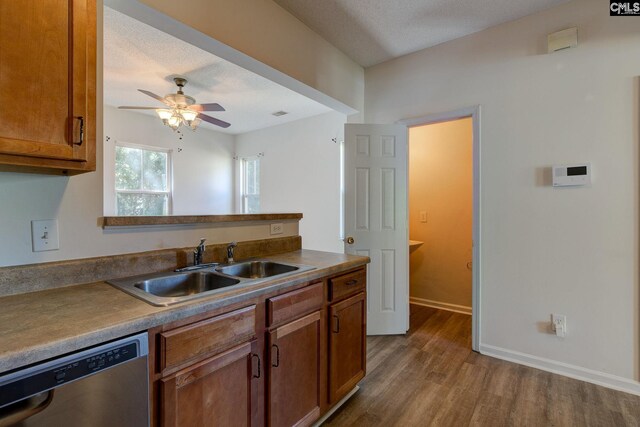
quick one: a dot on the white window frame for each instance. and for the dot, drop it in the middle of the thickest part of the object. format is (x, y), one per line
(244, 197)
(169, 191)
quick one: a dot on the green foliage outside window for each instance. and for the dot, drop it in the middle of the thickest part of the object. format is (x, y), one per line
(142, 185)
(251, 185)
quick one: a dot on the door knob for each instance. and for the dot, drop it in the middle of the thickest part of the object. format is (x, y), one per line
(351, 240)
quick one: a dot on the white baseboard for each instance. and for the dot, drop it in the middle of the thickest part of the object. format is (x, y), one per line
(440, 305)
(595, 377)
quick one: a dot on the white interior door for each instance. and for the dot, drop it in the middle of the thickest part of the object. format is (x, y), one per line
(376, 220)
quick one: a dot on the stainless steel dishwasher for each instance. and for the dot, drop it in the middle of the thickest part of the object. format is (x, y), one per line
(106, 385)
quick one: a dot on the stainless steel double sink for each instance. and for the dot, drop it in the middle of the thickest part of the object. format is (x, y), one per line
(162, 289)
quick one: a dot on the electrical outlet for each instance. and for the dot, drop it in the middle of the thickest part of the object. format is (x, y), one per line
(423, 216)
(44, 235)
(277, 228)
(559, 324)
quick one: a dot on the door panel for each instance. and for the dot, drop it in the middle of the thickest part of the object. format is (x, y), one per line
(218, 391)
(376, 218)
(362, 192)
(43, 78)
(347, 346)
(294, 372)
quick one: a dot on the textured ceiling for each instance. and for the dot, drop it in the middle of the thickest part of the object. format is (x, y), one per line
(374, 31)
(137, 56)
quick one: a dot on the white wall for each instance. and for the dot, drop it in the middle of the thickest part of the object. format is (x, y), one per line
(77, 204)
(300, 172)
(263, 30)
(203, 172)
(544, 250)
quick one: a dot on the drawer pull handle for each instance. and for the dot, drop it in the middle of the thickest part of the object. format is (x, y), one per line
(352, 282)
(277, 355)
(81, 130)
(258, 357)
(337, 324)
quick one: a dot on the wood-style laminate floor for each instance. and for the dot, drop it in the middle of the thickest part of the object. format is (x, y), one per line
(430, 377)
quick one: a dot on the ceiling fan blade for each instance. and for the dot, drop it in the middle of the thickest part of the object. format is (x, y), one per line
(158, 97)
(126, 107)
(214, 121)
(207, 107)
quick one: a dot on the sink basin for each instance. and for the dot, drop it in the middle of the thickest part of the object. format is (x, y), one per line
(257, 269)
(177, 285)
(163, 289)
(168, 288)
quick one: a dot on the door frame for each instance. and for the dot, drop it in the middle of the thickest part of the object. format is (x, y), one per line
(474, 113)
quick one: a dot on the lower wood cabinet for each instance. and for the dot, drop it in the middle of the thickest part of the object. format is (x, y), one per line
(293, 391)
(347, 345)
(280, 360)
(218, 391)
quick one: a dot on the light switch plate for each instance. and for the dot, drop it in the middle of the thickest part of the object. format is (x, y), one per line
(423, 216)
(44, 235)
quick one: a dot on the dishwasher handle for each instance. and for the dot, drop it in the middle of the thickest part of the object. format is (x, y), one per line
(23, 409)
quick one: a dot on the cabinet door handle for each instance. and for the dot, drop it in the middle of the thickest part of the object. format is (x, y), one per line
(258, 357)
(81, 130)
(352, 282)
(277, 355)
(337, 324)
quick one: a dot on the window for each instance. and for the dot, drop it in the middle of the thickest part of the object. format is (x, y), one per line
(250, 185)
(143, 184)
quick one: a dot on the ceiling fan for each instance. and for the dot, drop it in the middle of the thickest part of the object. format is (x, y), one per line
(182, 109)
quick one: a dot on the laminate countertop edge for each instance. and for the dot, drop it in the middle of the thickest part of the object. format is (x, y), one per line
(42, 325)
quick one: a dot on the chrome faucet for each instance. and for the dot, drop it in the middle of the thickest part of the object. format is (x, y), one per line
(230, 248)
(198, 253)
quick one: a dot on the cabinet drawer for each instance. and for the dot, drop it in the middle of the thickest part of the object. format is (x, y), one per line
(205, 338)
(347, 284)
(293, 304)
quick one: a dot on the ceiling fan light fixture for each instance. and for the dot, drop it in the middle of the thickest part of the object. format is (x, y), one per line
(175, 117)
(188, 115)
(178, 111)
(193, 125)
(174, 121)
(164, 114)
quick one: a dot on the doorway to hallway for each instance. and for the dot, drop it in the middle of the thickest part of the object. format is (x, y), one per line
(455, 249)
(440, 199)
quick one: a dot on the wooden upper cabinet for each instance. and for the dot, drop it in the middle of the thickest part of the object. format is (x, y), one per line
(47, 85)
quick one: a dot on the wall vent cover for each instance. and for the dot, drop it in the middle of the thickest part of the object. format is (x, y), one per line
(561, 40)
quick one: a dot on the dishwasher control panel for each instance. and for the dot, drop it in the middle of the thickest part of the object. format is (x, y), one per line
(93, 363)
(59, 374)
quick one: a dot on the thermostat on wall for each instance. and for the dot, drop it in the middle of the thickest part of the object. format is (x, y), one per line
(569, 175)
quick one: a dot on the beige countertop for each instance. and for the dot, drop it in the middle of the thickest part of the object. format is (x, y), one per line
(40, 325)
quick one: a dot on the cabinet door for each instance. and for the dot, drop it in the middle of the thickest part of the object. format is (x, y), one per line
(294, 372)
(44, 53)
(347, 345)
(219, 391)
